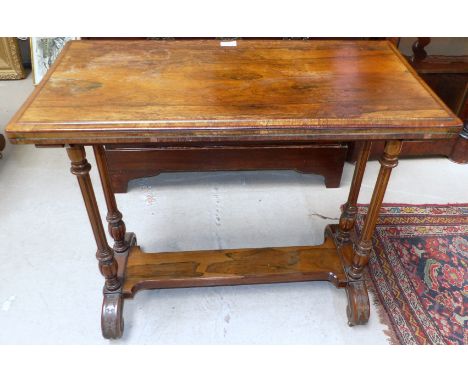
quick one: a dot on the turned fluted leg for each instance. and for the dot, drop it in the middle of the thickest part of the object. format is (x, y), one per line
(111, 318)
(363, 247)
(358, 299)
(114, 216)
(348, 216)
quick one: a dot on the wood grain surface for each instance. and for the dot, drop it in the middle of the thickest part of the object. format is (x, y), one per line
(180, 91)
(232, 267)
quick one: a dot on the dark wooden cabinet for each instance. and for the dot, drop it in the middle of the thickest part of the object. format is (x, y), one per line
(448, 77)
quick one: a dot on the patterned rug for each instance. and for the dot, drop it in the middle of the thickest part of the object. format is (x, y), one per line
(418, 272)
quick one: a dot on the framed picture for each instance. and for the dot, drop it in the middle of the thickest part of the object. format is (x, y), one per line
(11, 67)
(44, 51)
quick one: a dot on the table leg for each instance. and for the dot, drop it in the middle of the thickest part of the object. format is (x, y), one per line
(111, 317)
(114, 216)
(358, 299)
(348, 216)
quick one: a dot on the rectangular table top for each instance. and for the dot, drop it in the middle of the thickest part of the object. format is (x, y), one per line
(197, 90)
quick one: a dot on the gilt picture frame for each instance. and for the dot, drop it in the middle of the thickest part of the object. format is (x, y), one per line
(11, 67)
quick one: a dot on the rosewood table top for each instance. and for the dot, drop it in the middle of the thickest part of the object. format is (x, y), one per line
(179, 91)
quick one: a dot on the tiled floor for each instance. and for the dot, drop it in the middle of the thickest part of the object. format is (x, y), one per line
(50, 285)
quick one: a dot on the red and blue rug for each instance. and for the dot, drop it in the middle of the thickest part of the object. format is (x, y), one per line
(418, 272)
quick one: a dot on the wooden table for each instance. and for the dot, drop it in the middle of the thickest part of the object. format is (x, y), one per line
(185, 93)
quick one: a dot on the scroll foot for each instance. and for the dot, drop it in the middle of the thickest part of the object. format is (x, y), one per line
(358, 308)
(112, 324)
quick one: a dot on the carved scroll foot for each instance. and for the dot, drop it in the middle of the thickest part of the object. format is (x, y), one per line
(358, 308)
(112, 324)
